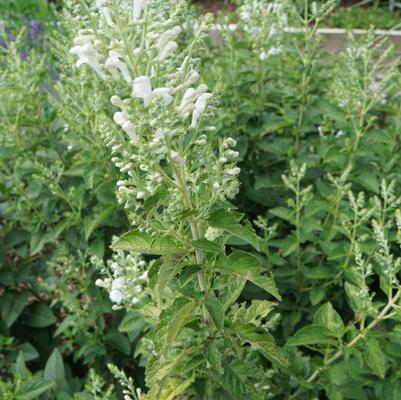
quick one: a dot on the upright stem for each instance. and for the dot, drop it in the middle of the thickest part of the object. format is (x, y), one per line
(383, 315)
(195, 230)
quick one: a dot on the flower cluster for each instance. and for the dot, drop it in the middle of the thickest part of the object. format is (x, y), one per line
(127, 277)
(160, 107)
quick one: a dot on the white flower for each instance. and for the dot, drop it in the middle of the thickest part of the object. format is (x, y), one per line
(233, 171)
(116, 296)
(200, 107)
(120, 117)
(339, 134)
(113, 63)
(129, 128)
(105, 11)
(87, 54)
(142, 89)
(137, 8)
(116, 101)
(273, 51)
(168, 49)
(164, 93)
(263, 55)
(167, 36)
(192, 77)
(100, 283)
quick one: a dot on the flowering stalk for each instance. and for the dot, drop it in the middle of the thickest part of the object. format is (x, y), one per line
(175, 187)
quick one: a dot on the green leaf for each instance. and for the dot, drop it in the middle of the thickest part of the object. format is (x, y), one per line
(312, 335)
(19, 368)
(233, 382)
(29, 352)
(289, 245)
(374, 357)
(118, 341)
(141, 242)
(327, 316)
(283, 213)
(208, 245)
(92, 222)
(247, 266)
(353, 295)
(12, 304)
(232, 289)
(230, 221)
(40, 316)
(316, 295)
(216, 312)
(178, 322)
(54, 370)
(262, 342)
(31, 389)
(213, 357)
(368, 180)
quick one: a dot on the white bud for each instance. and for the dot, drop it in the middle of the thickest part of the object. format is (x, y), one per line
(116, 101)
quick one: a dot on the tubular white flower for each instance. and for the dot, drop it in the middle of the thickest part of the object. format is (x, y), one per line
(113, 63)
(167, 36)
(87, 54)
(129, 128)
(137, 8)
(164, 93)
(120, 117)
(200, 107)
(168, 50)
(142, 89)
(105, 11)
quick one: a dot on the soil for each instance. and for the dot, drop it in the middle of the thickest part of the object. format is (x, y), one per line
(215, 5)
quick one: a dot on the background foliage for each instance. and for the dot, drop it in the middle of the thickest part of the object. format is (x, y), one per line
(318, 136)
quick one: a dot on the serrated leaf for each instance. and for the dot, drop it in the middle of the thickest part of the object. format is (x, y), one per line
(232, 289)
(216, 312)
(247, 266)
(213, 357)
(312, 335)
(171, 390)
(327, 316)
(178, 321)
(374, 357)
(208, 245)
(141, 242)
(262, 342)
(230, 221)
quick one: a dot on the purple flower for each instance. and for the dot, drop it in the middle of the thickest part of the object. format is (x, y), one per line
(36, 28)
(3, 43)
(24, 55)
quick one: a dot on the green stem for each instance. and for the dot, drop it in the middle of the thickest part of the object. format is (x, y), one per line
(361, 335)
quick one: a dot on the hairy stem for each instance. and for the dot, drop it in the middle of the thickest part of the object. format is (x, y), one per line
(361, 335)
